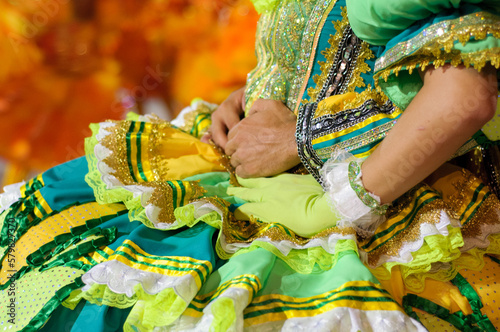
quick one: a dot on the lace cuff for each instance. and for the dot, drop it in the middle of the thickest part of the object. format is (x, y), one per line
(357, 207)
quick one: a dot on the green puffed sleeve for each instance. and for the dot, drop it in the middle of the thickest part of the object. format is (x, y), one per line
(377, 21)
(419, 33)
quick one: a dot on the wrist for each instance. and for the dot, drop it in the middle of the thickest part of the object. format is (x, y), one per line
(342, 180)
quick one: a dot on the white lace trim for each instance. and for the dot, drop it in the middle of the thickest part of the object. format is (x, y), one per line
(345, 319)
(11, 194)
(328, 242)
(121, 279)
(344, 200)
(341, 319)
(240, 298)
(426, 230)
(180, 121)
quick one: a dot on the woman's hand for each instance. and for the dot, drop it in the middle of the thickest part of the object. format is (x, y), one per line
(263, 143)
(225, 117)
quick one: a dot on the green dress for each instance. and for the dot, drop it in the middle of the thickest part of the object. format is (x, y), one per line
(150, 233)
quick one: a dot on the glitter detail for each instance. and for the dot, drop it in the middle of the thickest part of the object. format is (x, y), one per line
(354, 173)
(285, 60)
(435, 45)
(345, 62)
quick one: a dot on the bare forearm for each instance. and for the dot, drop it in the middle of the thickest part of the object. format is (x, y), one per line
(453, 104)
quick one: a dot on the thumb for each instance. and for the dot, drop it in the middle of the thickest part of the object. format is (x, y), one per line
(246, 194)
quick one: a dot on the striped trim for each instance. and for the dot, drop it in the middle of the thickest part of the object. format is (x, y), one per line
(361, 295)
(33, 185)
(396, 225)
(41, 207)
(178, 192)
(249, 282)
(201, 122)
(137, 139)
(481, 192)
(131, 255)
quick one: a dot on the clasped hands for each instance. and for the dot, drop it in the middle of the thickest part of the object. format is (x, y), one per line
(263, 144)
(260, 144)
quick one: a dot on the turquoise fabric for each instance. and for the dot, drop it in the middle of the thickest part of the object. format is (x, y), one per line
(327, 31)
(86, 317)
(65, 185)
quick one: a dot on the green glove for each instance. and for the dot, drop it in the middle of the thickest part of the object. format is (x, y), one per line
(295, 201)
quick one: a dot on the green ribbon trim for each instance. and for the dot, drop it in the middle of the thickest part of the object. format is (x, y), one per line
(35, 186)
(496, 260)
(129, 149)
(44, 314)
(11, 214)
(475, 322)
(17, 276)
(109, 236)
(139, 152)
(482, 140)
(475, 302)
(63, 241)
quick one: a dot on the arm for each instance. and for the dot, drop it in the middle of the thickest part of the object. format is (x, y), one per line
(453, 104)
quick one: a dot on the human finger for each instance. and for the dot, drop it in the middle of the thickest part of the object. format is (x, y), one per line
(221, 124)
(206, 137)
(231, 147)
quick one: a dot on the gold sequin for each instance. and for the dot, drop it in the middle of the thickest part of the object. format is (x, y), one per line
(434, 45)
(285, 60)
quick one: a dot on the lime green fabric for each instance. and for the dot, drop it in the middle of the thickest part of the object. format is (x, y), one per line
(264, 5)
(377, 22)
(270, 199)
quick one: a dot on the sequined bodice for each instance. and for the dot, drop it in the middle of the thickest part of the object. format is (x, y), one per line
(286, 41)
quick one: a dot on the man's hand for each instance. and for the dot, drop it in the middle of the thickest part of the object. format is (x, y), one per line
(263, 143)
(225, 117)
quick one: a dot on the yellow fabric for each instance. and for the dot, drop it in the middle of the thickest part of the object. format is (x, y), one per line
(131, 255)
(443, 293)
(185, 155)
(52, 226)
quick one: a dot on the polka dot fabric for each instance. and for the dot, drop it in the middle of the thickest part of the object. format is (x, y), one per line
(432, 323)
(33, 290)
(487, 285)
(50, 227)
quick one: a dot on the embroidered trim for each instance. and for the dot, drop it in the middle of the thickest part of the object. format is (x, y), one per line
(365, 105)
(435, 45)
(345, 62)
(285, 61)
(341, 73)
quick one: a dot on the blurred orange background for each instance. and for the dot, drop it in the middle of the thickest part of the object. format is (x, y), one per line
(67, 63)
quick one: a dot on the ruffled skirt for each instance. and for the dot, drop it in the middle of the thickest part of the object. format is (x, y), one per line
(144, 236)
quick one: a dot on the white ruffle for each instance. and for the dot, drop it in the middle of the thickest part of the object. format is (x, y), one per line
(11, 194)
(426, 229)
(346, 319)
(328, 242)
(240, 298)
(180, 121)
(121, 279)
(341, 319)
(345, 202)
